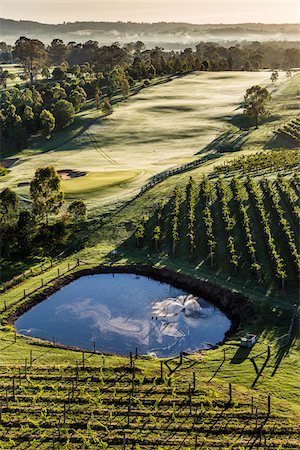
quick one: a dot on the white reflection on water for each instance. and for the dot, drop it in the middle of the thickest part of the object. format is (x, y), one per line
(171, 307)
(102, 319)
(168, 311)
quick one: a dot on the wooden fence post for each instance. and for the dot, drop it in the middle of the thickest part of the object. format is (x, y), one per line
(5, 305)
(30, 358)
(180, 358)
(230, 393)
(128, 412)
(136, 353)
(58, 271)
(42, 282)
(83, 360)
(190, 399)
(194, 381)
(161, 370)
(94, 346)
(25, 367)
(131, 361)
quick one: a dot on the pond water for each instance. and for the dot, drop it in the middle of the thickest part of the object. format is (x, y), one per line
(122, 312)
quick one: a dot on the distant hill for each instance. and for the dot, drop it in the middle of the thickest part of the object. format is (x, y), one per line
(168, 35)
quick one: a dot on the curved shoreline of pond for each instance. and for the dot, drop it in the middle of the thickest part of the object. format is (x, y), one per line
(233, 304)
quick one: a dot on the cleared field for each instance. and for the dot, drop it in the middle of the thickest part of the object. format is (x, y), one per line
(161, 127)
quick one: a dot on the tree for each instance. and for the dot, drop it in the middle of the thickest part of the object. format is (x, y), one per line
(78, 96)
(125, 88)
(98, 94)
(274, 76)
(63, 112)
(256, 100)
(45, 192)
(45, 72)
(288, 74)
(28, 118)
(9, 210)
(26, 230)
(9, 207)
(77, 211)
(139, 233)
(59, 73)
(106, 107)
(156, 236)
(57, 51)
(4, 76)
(31, 53)
(47, 123)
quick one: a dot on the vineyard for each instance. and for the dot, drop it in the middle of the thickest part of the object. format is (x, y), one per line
(291, 131)
(267, 161)
(104, 402)
(240, 226)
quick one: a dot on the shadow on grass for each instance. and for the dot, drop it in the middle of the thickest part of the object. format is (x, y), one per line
(283, 350)
(279, 142)
(241, 354)
(228, 142)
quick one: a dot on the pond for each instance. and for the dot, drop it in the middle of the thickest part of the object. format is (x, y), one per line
(122, 312)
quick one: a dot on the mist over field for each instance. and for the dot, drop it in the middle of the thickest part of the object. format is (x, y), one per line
(171, 36)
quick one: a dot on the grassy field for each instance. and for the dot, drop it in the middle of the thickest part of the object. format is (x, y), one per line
(161, 127)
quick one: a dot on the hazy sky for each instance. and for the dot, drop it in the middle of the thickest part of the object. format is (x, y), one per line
(196, 11)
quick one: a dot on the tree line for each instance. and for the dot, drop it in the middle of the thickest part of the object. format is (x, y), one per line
(235, 56)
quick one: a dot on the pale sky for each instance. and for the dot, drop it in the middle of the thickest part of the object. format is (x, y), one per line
(195, 11)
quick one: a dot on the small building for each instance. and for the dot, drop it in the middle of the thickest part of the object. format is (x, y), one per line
(248, 341)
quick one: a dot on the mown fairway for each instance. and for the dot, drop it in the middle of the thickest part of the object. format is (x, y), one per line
(159, 128)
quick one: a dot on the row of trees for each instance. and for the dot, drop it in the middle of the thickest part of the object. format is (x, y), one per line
(24, 231)
(245, 221)
(245, 55)
(228, 222)
(282, 221)
(277, 260)
(290, 196)
(206, 194)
